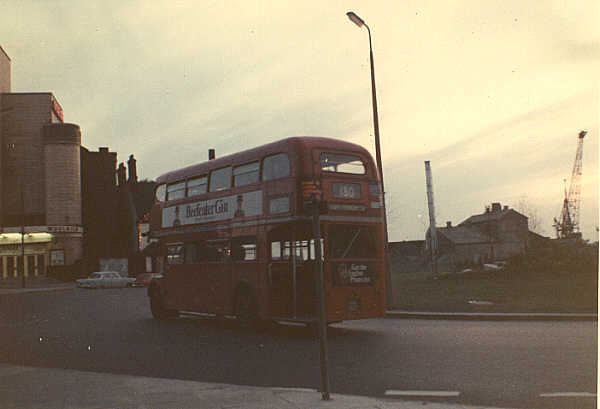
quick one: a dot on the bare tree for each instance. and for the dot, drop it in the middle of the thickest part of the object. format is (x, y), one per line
(525, 207)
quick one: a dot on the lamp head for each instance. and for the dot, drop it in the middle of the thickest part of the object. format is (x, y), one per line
(355, 19)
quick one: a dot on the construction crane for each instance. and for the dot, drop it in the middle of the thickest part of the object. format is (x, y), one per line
(567, 226)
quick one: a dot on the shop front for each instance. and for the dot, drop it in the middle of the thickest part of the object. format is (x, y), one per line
(33, 250)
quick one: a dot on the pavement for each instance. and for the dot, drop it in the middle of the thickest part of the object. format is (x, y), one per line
(32, 387)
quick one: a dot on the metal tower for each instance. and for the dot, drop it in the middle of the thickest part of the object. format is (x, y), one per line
(568, 224)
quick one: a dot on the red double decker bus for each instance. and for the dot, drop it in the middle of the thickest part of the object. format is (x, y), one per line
(235, 237)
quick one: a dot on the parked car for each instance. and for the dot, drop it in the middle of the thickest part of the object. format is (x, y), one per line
(143, 279)
(104, 279)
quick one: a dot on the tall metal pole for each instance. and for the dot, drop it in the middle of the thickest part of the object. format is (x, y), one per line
(388, 277)
(432, 229)
(23, 279)
(324, 360)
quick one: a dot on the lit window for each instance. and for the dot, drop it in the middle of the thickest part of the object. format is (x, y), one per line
(175, 254)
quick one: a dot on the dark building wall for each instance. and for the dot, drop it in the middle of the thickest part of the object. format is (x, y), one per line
(99, 204)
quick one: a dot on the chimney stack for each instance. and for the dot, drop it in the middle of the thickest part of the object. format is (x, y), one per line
(131, 164)
(211, 154)
(121, 174)
(448, 224)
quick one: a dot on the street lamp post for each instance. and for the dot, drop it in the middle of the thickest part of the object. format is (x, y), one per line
(23, 278)
(360, 23)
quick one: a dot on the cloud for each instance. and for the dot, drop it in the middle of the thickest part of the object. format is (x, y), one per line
(492, 93)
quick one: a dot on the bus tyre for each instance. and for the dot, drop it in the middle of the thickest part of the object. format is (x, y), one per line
(246, 309)
(158, 309)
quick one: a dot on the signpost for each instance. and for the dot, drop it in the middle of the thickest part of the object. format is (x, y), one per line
(312, 196)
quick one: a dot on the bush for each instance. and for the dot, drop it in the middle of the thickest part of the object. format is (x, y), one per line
(574, 257)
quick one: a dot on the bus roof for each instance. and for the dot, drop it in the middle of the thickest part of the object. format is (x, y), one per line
(304, 143)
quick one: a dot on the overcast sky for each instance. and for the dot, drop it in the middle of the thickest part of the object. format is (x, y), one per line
(493, 93)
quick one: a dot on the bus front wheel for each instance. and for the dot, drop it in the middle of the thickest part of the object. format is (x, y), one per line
(158, 309)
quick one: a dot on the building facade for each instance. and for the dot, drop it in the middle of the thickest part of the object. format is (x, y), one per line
(40, 182)
(495, 235)
(61, 208)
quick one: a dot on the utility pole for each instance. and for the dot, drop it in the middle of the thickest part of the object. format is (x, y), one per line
(23, 279)
(432, 229)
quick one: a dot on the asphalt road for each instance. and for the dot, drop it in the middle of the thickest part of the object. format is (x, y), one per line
(505, 364)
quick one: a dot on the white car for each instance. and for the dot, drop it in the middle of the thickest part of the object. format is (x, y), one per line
(104, 279)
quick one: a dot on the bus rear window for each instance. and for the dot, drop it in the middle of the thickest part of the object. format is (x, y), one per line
(342, 163)
(353, 242)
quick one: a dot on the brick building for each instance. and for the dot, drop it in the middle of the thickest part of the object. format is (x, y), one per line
(40, 183)
(63, 196)
(496, 234)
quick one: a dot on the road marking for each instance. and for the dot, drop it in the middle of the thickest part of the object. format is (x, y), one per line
(568, 395)
(443, 394)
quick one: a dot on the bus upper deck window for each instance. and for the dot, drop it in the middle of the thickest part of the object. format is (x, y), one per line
(161, 193)
(220, 179)
(342, 163)
(196, 186)
(176, 191)
(275, 167)
(245, 174)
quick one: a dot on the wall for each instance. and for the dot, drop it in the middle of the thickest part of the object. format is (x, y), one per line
(99, 204)
(22, 161)
(115, 264)
(63, 187)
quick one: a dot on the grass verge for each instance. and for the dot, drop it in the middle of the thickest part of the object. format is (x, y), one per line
(499, 291)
